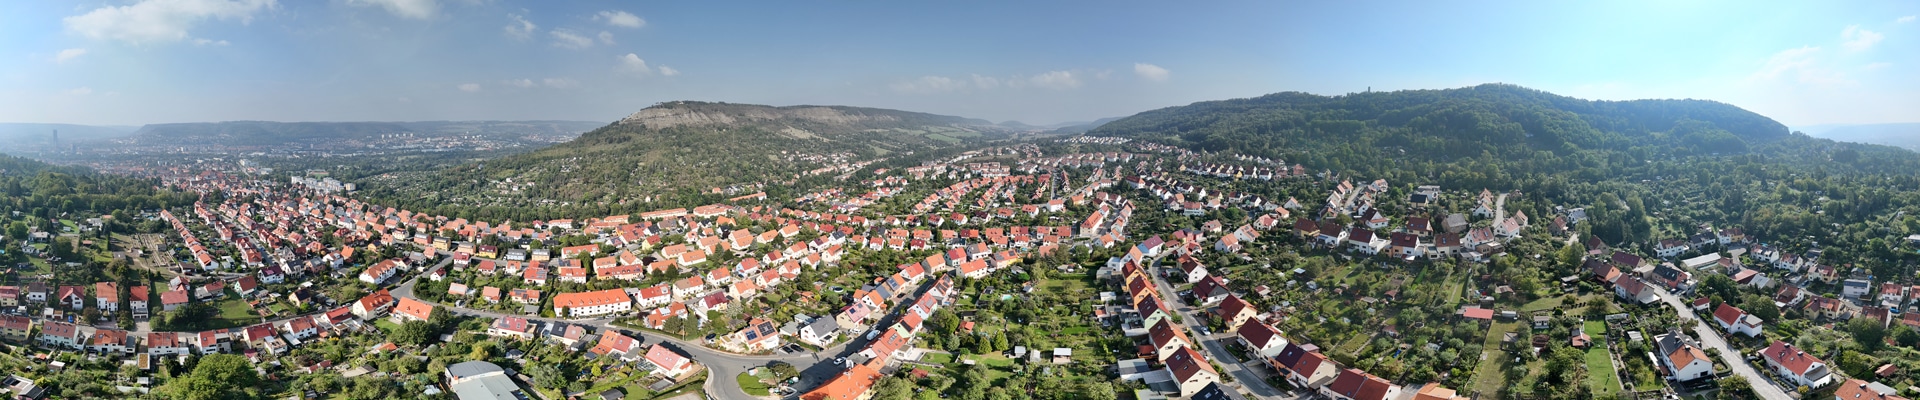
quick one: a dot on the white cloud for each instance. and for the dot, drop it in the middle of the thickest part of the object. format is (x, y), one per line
(620, 18)
(1056, 80)
(80, 91)
(559, 83)
(469, 87)
(209, 42)
(69, 55)
(520, 28)
(985, 82)
(929, 84)
(1905, 19)
(1803, 65)
(1860, 39)
(415, 9)
(568, 39)
(1877, 66)
(633, 63)
(669, 71)
(522, 83)
(606, 37)
(1151, 72)
(151, 21)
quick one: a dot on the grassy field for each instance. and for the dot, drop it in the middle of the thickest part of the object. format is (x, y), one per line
(938, 358)
(236, 313)
(1488, 379)
(752, 385)
(1600, 373)
(1596, 329)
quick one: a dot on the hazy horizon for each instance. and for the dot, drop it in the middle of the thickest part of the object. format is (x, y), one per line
(163, 61)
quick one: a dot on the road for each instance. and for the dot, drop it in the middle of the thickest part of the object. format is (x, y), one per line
(721, 366)
(1761, 385)
(1246, 379)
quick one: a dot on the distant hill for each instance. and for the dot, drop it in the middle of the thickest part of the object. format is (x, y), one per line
(265, 133)
(14, 133)
(1904, 135)
(1080, 127)
(676, 152)
(1645, 169)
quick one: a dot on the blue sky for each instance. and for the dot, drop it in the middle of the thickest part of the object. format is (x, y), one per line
(131, 62)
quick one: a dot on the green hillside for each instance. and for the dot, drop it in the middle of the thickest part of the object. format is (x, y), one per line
(1645, 169)
(676, 153)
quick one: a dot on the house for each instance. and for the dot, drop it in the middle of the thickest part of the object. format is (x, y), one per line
(411, 310)
(137, 297)
(15, 328)
(1167, 338)
(513, 327)
(1855, 288)
(1633, 290)
(1735, 320)
(20, 388)
(1683, 360)
(61, 335)
(854, 383)
(1354, 384)
(380, 272)
(1190, 371)
(668, 363)
(106, 297)
(1195, 271)
(1433, 391)
(613, 344)
(482, 380)
(1796, 365)
(166, 343)
(1668, 248)
(1211, 290)
(109, 341)
(1261, 339)
(1855, 389)
(820, 332)
(173, 299)
(1214, 391)
(760, 334)
(373, 305)
(1304, 366)
(72, 296)
(592, 303)
(1235, 311)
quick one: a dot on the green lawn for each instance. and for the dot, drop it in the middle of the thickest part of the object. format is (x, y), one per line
(938, 358)
(1597, 330)
(752, 385)
(1547, 303)
(1601, 376)
(1488, 379)
(386, 325)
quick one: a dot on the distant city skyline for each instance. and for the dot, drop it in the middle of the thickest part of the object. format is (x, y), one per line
(158, 61)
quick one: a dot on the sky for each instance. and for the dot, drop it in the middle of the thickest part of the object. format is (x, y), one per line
(132, 62)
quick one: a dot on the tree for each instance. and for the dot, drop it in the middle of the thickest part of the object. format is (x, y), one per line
(414, 333)
(782, 370)
(1906, 336)
(893, 388)
(216, 376)
(1868, 333)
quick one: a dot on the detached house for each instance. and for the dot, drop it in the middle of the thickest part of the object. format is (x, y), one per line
(1190, 371)
(1796, 365)
(1684, 361)
(1735, 320)
(106, 297)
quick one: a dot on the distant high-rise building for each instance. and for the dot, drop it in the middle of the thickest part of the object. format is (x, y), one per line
(56, 136)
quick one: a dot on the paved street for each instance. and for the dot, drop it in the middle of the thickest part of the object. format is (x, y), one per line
(1761, 385)
(1194, 318)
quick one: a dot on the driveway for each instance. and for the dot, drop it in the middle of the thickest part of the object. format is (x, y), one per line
(1761, 385)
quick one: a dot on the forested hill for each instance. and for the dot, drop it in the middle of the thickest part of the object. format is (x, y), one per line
(676, 153)
(46, 193)
(1646, 169)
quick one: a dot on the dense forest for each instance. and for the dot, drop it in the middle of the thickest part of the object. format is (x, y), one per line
(1645, 170)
